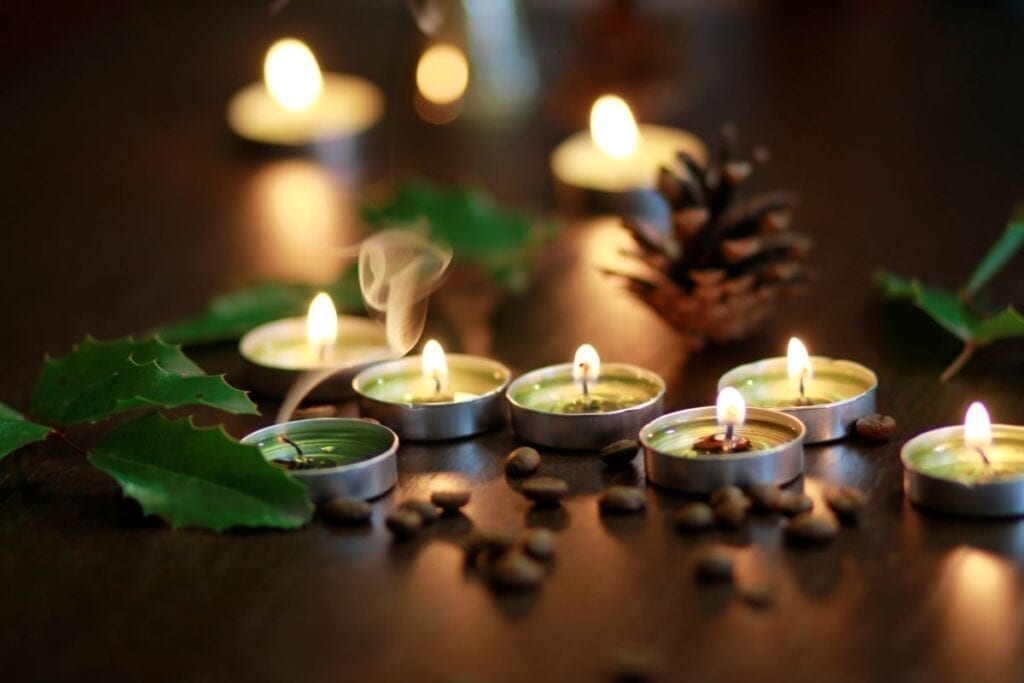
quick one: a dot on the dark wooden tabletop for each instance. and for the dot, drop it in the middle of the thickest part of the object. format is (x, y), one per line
(125, 204)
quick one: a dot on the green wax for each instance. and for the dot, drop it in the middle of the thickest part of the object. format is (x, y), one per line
(409, 385)
(678, 439)
(337, 443)
(777, 390)
(950, 459)
(560, 394)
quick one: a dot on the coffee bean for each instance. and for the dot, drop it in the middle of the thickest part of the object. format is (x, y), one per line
(342, 510)
(845, 501)
(808, 529)
(424, 508)
(764, 497)
(757, 595)
(620, 453)
(714, 563)
(545, 490)
(515, 571)
(791, 503)
(403, 523)
(450, 501)
(731, 513)
(487, 542)
(522, 462)
(622, 499)
(724, 492)
(694, 517)
(875, 427)
(539, 543)
(635, 664)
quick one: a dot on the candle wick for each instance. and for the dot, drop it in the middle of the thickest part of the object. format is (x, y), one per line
(984, 457)
(437, 382)
(324, 351)
(299, 455)
(729, 432)
(585, 367)
(803, 374)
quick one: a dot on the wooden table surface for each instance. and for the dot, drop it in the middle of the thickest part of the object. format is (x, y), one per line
(126, 204)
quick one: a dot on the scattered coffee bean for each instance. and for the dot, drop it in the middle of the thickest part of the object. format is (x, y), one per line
(845, 501)
(545, 490)
(622, 499)
(635, 664)
(522, 462)
(724, 492)
(620, 453)
(487, 542)
(757, 595)
(403, 523)
(808, 529)
(694, 517)
(732, 512)
(450, 501)
(791, 503)
(310, 412)
(764, 497)
(875, 427)
(516, 571)
(342, 510)
(714, 563)
(539, 543)
(424, 508)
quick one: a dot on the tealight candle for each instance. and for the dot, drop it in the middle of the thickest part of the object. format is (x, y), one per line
(584, 404)
(333, 456)
(701, 449)
(278, 352)
(618, 156)
(297, 105)
(827, 395)
(976, 469)
(434, 396)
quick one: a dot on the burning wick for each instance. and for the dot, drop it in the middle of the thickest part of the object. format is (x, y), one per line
(435, 365)
(978, 431)
(322, 326)
(300, 457)
(731, 411)
(798, 367)
(586, 367)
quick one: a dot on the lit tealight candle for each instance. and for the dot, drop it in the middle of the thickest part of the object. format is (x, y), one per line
(435, 366)
(298, 105)
(731, 411)
(976, 469)
(799, 368)
(322, 326)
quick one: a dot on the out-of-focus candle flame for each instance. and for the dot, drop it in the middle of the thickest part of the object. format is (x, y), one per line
(435, 364)
(322, 324)
(292, 75)
(586, 365)
(977, 426)
(798, 362)
(612, 127)
(442, 74)
(730, 409)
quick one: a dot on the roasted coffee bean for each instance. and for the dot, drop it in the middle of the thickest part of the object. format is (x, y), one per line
(403, 523)
(488, 542)
(731, 513)
(845, 501)
(539, 543)
(764, 497)
(694, 517)
(522, 462)
(545, 490)
(724, 492)
(619, 453)
(791, 503)
(808, 529)
(450, 501)
(515, 571)
(424, 508)
(714, 563)
(622, 499)
(635, 664)
(875, 427)
(342, 510)
(757, 595)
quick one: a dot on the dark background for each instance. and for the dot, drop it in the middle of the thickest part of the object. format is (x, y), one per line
(125, 204)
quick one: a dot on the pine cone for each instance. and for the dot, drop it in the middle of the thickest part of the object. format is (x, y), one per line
(724, 265)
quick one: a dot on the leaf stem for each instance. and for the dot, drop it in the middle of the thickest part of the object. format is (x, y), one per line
(965, 355)
(64, 437)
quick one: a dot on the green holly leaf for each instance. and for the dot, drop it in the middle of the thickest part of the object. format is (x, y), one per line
(231, 315)
(194, 477)
(1000, 253)
(503, 243)
(16, 431)
(101, 379)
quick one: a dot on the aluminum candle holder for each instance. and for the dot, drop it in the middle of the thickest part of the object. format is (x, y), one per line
(541, 401)
(397, 394)
(365, 453)
(841, 392)
(941, 473)
(776, 455)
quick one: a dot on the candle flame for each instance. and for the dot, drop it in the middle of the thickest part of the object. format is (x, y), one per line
(612, 127)
(977, 426)
(292, 75)
(798, 362)
(730, 409)
(442, 74)
(435, 364)
(586, 365)
(322, 323)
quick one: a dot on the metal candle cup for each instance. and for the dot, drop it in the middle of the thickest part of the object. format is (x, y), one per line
(277, 353)
(842, 392)
(776, 455)
(366, 451)
(540, 401)
(397, 394)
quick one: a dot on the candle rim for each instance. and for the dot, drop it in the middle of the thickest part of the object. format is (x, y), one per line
(606, 370)
(735, 377)
(754, 414)
(415, 366)
(954, 434)
(279, 429)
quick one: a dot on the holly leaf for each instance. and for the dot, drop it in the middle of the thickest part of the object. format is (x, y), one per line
(16, 431)
(101, 379)
(502, 243)
(231, 315)
(1000, 253)
(195, 477)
